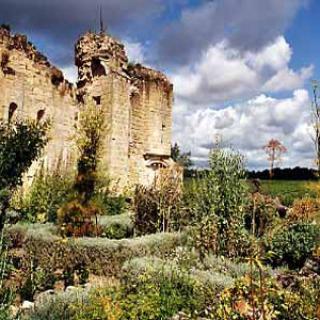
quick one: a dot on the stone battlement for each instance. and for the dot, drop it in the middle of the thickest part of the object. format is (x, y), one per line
(20, 43)
(140, 72)
(100, 45)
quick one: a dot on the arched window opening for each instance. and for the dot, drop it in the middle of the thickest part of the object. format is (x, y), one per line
(12, 109)
(97, 68)
(163, 128)
(40, 115)
(158, 165)
(97, 100)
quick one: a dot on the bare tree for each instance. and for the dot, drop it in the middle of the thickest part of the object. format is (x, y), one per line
(274, 149)
(316, 122)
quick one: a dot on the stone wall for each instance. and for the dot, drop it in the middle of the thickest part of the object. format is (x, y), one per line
(30, 87)
(151, 123)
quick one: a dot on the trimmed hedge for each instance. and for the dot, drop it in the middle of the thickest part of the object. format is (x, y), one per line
(100, 256)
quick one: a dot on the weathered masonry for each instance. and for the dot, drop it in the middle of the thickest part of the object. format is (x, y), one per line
(137, 102)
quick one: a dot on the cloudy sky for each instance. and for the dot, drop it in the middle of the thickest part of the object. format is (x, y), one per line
(242, 69)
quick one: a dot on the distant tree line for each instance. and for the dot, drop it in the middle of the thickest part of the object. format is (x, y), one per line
(296, 173)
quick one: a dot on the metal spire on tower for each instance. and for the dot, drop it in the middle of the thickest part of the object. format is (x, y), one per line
(102, 30)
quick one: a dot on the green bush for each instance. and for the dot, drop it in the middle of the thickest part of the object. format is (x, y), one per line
(151, 295)
(161, 298)
(292, 245)
(110, 205)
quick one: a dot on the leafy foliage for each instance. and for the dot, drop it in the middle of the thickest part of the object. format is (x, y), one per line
(145, 298)
(117, 227)
(157, 207)
(20, 144)
(6, 294)
(293, 244)
(48, 192)
(219, 199)
(89, 142)
(106, 199)
(75, 218)
(183, 159)
(249, 299)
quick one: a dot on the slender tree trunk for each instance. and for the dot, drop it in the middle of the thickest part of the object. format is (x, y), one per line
(272, 163)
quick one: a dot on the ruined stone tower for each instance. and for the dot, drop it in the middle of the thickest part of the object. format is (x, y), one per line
(137, 103)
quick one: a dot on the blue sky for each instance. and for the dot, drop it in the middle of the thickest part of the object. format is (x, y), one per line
(302, 35)
(241, 69)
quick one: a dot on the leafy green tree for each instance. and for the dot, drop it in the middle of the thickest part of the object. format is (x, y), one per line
(20, 144)
(183, 159)
(75, 217)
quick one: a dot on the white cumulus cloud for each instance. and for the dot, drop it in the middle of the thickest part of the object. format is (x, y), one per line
(224, 73)
(248, 126)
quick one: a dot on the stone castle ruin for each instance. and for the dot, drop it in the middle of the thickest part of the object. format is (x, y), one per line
(137, 102)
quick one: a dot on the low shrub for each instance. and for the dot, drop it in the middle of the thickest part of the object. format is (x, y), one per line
(109, 204)
(48, 192)
(145, 297)
(59, 306)
(233, 268)
(261, 214)
(76, 219)
(116, 227)
(209, 282)
(287, 199)
(305, 210)
(99, 255)
(291, 245)
(248, 299)
(157, 207)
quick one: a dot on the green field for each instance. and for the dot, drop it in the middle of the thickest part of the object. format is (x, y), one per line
(286, 190)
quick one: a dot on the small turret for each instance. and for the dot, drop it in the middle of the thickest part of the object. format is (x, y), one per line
(97, 54)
